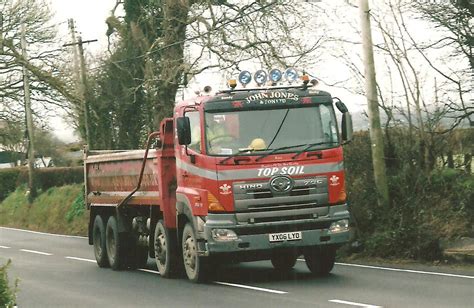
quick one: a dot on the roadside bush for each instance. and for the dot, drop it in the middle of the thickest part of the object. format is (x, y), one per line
(7, 295)
(424, 209)
(77, 208)
(46, 178)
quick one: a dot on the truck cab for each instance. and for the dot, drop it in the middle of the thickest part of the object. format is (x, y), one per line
(261, 173)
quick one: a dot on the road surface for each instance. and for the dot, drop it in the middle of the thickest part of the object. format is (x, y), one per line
(60, 271)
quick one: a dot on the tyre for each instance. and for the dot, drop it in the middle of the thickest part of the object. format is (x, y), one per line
(194, 265)
(284, 261)
(165, 251)
(115, 245)
(320, 260)
(98, 239)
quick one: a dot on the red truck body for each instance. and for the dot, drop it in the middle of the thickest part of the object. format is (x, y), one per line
(187, 203)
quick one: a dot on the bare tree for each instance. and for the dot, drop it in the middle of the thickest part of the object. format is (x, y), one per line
(48, 91)
(194, 36)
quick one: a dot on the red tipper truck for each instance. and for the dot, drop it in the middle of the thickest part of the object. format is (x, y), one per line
(245, 174)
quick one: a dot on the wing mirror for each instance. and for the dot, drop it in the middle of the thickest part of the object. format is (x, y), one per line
(346, 125)
(183, 128)
(347, 128)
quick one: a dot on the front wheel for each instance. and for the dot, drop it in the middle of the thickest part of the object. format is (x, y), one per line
(195, 266)
(98, 239)
(284, 261)
(320, 260)
(165, 250)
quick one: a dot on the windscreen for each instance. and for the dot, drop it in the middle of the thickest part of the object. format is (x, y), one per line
(256, 131)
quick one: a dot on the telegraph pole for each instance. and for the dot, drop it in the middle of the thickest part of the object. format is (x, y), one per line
(1, 32)
(29, 120)
(75, 60)
(83, 89)
(376, 136)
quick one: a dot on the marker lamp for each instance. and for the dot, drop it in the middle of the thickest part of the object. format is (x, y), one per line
(291, 75)
(245, 77)
(275, 75)
(232, 83)
(260, 77)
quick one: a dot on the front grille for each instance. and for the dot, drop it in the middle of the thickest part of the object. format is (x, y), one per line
(255, 202)
(250, 196)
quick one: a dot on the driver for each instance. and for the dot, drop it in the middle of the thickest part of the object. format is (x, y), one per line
(218, 135)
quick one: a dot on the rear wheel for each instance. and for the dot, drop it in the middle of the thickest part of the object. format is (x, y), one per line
(98, 239)
(115, 245)
(165, 251)
(284, 261)
(320, 260)
(195, 266)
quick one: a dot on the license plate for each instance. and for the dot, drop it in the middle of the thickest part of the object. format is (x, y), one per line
(286, 236)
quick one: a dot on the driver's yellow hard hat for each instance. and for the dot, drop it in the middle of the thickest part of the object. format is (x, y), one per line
(257, 144)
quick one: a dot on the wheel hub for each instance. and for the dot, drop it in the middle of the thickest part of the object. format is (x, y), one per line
(190, 252)
(161, 248)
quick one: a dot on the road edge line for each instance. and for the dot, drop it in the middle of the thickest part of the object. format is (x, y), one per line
(44, 233)
(405, 270)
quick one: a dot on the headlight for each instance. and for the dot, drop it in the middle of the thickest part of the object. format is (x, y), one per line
(245, 77)
(339, 226)
(260, 77)
(275, 75)
(291, 75)
(223, 235)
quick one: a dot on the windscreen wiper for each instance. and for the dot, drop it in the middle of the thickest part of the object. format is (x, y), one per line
(311, 145)
(279, 149)
(237, 154)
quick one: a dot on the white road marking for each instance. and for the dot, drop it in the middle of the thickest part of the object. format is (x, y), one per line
(42, 233)
(406, 270)
(338, 301)
(37, 252)
(402, 270)
(81, 259)
(148, 271)
(250, 287)
(228, 284)
(4, 247)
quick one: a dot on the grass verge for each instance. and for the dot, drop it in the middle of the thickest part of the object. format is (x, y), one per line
(57, 210)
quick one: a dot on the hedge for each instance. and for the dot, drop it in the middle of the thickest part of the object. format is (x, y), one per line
(8, 181)
(11, 178)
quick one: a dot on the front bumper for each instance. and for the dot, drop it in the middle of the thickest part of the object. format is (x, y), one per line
(255, 237)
